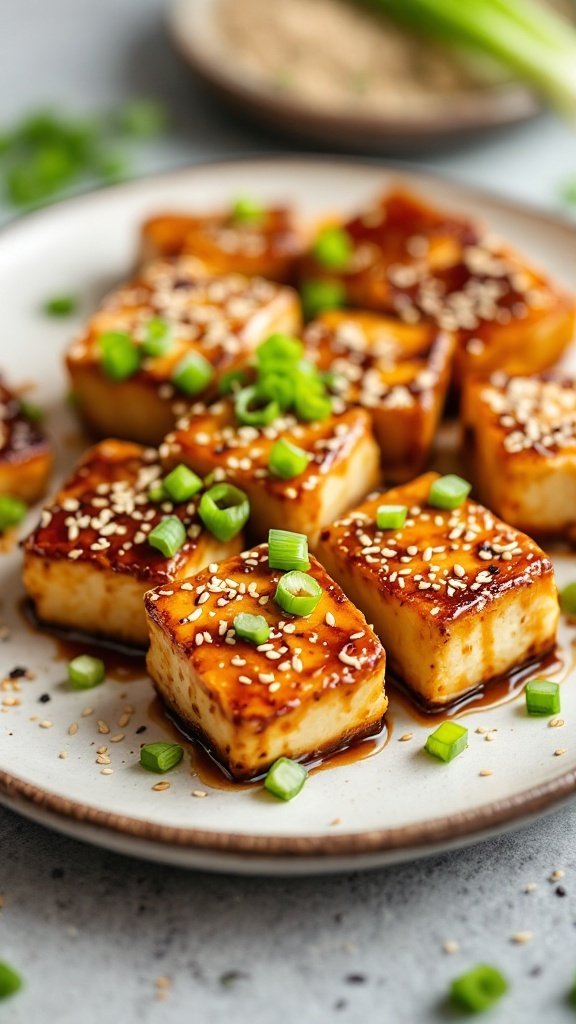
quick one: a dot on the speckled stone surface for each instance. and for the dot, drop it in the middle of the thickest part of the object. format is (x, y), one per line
(93, 932)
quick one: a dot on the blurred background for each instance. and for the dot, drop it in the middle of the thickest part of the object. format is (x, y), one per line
(93, 93)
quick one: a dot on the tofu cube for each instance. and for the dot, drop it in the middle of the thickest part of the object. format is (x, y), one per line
(222, 318)
(398, 372)
(422, 264)
(88, 563)
(314, 686)
(523, 433)
(344, 464)
(266, 246)
(458, 598)
(25, 454)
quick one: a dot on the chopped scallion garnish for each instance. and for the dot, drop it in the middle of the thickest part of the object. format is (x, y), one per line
(246, 210)
(287, 550)
(568, 600)
(10, 980)
(298, 593)
(224, 509)
(60, 305)
(85, 672)
(161, 757)
(192, 374)
(168, 536)
(391, 517)
(158, 338)
(320, 296)
(279, 350)
(479, 989)
(252, 409)
(333, 248)
(285, 778)
(542, 697)
(253, 628)
(449, 492)
(119, 356)
(447, 741)
(287, 460)
(181, 484)
(12, 511)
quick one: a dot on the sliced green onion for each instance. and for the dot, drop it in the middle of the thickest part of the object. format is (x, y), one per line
(479, 989)
(287, 550)
(224, 510)
(568, 599)
(542, 697)
(298, 593)
(319, 296)
(279, 349)
(250, 410)
(333, 248)
(247, 211)
(10, 980)
(447, 741)
(192, 374)
(31, 411)
(287, 460)
(449, 492)
(231, 382)
(168, 536)
(285, 778)
(182, 484)
(158, 339)
(85, 672)
(311, 405)
(391, 517)
(119, 356)
(278, 387)
(161, 757)
(251, 627)
(60, 305)
(157, 493)
(12, 511)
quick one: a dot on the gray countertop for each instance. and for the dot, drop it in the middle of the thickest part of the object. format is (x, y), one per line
(94, 933)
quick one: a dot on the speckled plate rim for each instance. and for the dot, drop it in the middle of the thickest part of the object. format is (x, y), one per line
(242, 852)
(466, 113)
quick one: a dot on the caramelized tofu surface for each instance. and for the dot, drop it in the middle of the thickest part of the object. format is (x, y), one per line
(222, 318)
(88, 563)
(312, 687)
(25, 454)
(398, 372)
(267, 246)
(457, 597)
(524, 441)
(421, 264)
(344, 463)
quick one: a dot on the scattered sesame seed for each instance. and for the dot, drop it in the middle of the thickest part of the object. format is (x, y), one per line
(451, 946)
(199, 793)
(159, 787)
(521, 938)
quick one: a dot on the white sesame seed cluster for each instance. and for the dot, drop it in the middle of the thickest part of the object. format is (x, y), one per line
(329, 647)
(535, 414)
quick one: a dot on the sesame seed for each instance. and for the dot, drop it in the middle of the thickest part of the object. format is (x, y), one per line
(159, 787)
(521, 938)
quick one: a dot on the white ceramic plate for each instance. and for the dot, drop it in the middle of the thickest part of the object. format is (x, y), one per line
(396, 804)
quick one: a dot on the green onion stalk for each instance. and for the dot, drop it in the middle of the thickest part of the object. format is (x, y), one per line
(530, 39)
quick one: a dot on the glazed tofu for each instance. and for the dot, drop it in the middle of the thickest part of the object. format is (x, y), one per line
(25, 454)
(220, 318)
(344, 463)
(88, 563)
(458, 597)
(421, 264)
(267, 245)
(523, 432)
(398, 372)
(315, 685)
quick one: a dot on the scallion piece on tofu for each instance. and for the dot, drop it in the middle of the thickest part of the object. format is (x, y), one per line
(278, 386)
(10, 980)
(85, 672)
(285, 778)
(158, 338)
(312, 404)
(255, 410)
(168, 536)
(182, 484)
(319, 296)
(231, 382)
(224, 509)
(391, 517)
(542, 697)
(449, 492)
(447, 741)
(298, 593)
(287, 550)
(246, 210)
(568, 600)
(119, 356)
(279, 350)
(161, 757)
(192, 374)
(333, 248)
(287, 460)
(157, 493)
(253, 628)
(479, 989)
(12, 511)
(60, 305)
